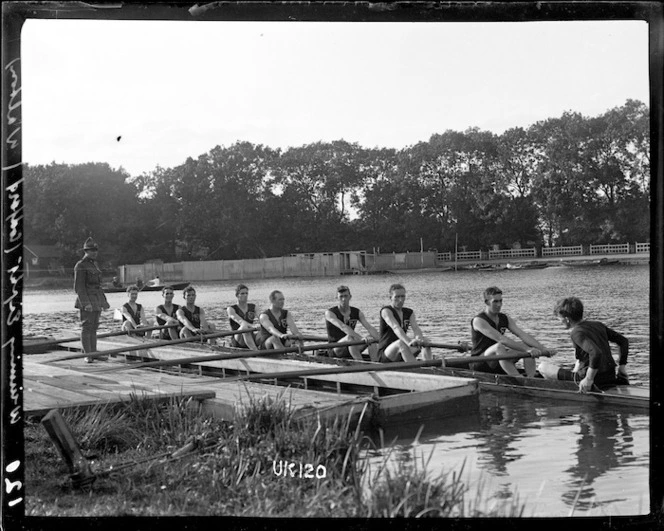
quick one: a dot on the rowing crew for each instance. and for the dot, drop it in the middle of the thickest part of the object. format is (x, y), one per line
(277, 329)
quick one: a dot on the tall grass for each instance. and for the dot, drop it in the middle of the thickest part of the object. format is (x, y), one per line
(235, 467)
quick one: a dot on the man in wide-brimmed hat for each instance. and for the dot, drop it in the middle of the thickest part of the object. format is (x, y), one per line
(90, 298)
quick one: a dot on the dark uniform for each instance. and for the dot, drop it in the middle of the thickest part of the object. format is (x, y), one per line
(335, 334)
(387, 335)
(194, 317)
(281, 325)
(87, 285)
(164, 333)
(481, 343)
(591, 342)
(249, 317)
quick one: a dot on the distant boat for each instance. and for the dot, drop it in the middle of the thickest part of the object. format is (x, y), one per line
(590, 263)
(175, 286)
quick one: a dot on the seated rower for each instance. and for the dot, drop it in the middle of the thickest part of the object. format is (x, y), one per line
(192, 317)
(133, 315)
(116, 283)
(594, 361)
(156, 281)
(275, 323)
(487, 332)
(166, 314)
(395, 320)
(341, 320)
(241, 317)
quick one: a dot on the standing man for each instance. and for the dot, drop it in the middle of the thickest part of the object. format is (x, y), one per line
(594, 361)
(275, 322)
(487, 332)
(395, 320)
(192, 317)
(341, 320)
(90, 298)
(241, 317)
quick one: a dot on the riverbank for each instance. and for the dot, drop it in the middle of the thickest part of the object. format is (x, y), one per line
(625, 259)
(170, 460)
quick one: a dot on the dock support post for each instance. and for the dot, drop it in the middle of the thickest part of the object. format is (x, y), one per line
(64, 440)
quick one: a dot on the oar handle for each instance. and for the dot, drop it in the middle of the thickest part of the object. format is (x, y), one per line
(461, 346)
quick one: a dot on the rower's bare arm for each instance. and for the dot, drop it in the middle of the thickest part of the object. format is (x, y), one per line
(367, 326)
(394, 325)
(267, 324)
(331, 318)
(416, 328)
(185, 322)
(523, 335)
(291, 324)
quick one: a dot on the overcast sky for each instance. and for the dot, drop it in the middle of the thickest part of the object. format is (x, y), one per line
(177, 89)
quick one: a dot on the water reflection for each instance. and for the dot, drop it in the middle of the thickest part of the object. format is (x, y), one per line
(558, 459)
(604, 442)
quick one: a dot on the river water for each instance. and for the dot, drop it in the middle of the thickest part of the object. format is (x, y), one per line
(558, 458)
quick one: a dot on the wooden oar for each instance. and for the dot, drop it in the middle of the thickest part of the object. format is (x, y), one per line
(369, 367)
(143, 346)
(305, 337)
(461, 347)
(232, 356)
(106, 334)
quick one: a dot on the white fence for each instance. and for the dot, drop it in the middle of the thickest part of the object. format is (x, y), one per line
(562, 251)
(642, 247)
(513, 253)
(444, 257)
(469, 255)
(603, 249)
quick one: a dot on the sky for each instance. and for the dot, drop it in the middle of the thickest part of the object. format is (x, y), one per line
(173, 90)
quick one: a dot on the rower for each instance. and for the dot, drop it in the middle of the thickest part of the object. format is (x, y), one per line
(133, 315)
(488, 329)
(395, 320)
(275, 323)
(192, 317)
(341, 320)
(166, 314)
(594, 361)
(241, 317)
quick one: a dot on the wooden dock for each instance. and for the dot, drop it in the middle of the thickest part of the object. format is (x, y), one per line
(383, 397)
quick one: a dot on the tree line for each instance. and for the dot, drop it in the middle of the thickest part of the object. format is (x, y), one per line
(562, 181)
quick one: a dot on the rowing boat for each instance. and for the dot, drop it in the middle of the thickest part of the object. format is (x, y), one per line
(176, 286)
(633, 396)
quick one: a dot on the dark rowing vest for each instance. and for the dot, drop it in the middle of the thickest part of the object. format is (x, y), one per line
(162, 309)
(249, 316)
(387, 335)
(195, 317)
(281, 324)
(334, 334)
(480, 341)
(135, 316)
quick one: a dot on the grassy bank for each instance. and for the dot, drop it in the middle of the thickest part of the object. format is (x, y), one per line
(256, 466)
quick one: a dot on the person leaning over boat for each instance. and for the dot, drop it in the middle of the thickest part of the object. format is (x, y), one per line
(90, 298)
(488, 337)
(275, 323)
(241, 317)
(395, 320)
(166, 314)
(133, 314)
(341, 320)
(192, 317)
(594, 361)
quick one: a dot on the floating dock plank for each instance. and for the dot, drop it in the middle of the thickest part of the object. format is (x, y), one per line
(48, 387)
